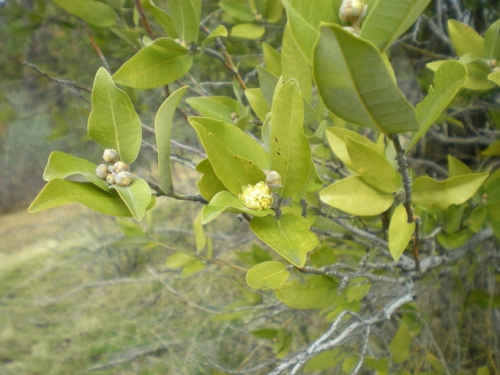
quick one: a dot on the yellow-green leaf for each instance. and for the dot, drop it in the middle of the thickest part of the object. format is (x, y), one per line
(400, 232)
(267, 275)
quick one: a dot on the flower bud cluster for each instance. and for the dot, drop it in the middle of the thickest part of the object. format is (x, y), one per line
(256, 197)
(114, 171)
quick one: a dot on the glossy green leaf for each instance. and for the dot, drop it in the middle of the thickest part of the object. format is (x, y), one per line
(186, 16)
(465, 39)
(400, 232)
(290, 149)
(336, 138)
(431, 193)
(294, 64)
(267, 275)
(163, 133)
(216, 107)
(372, 166)
(492, 42)
(305, 17)
(234, 172)
(113, 122)
(356, 85)
(319, 292)
(258, 103)
(156, 65)
(387, 20)
(61, 165)
(236, 140)
(161, 17)
(449, 78)
(59, 192)
(289, 236)
(248, 31)
(237, 10)
(218, 32)
(137, 197)
(91, 11)
(400, 345)
(356, 197)
(225, 201)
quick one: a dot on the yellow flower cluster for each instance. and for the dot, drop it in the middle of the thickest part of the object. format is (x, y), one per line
(256, 197)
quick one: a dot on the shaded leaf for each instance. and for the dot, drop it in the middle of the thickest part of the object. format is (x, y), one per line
(318, 293)
(91, 11)
(137, 197)
(186, 16)
(492, 41)
(356, 85)
(289, 236)
(161, 17)
(400, 345)
(158, 64)
(267, 275)
(237, 10)
(113, 122)
(163, 133)
(216, 107)
(258, 103)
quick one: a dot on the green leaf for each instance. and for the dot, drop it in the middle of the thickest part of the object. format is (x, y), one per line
(236, 140)
(137, 197)
(258, 103)
(493, 149)
(494, 77)
(478, 71)
(61, 165)
(357, 292)
(290, 149)
(209, 185)
(465, 39)
(267, 82)
(189, 263)
(305, 17)
(225, 201)
(186, 16)
(59, 192)
(233, 171)
(248, 31)
(355, 83)
(400, 232)
(158, 64)
(294, 64)
(92, 12)
(477, 218)
(456, 167)
(319, 292)
(267, 275)
(219, 31)
(163, 132)
(454, 240)
(289, 236)
(356, 197)
(400, 345)
(336, 138)
(449, 78)
(325, 360)
(492, 42)
(161, 17)
(431, 193)
(372, 166)
(216, 107)
(237, 10)
(272, 59)
(387, 20)
(113, 122)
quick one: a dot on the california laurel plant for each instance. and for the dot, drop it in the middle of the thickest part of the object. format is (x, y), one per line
(313, 154)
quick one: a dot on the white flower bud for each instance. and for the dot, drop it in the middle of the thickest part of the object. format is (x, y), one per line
(256, 197)
(123, 179)
(120, 166)
(110, 155)
(110, 179)
(273, 179)
(352, 11)
(101, 171)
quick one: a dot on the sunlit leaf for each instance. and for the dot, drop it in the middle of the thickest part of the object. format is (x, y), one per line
(356, 197)
(492, 42)
(218, 32)
(465, 39)
(186, 16)
(431, 193)
(161, 17)
(156, 65)
(225, 201)
(336, 138)
(356, 85)
(267, 275)
(113, 122)
(400, 232)
(248, 31)
(137, 197)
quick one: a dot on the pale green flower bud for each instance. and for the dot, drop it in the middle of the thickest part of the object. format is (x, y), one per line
(256, 197)
(352, 11)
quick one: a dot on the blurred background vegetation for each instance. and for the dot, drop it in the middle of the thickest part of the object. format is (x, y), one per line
(82, 299)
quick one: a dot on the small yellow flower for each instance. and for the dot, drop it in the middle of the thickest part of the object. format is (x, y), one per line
(256, 197)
